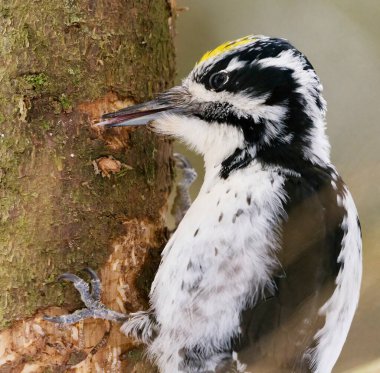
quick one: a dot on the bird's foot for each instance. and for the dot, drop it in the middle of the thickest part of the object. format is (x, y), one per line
(182, 200)
(91, 298)
(189, 173)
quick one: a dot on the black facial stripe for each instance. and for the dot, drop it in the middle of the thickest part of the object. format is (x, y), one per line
(254, 80)
(239, 159)
(220, 112)
(224, 113)
(299, 124)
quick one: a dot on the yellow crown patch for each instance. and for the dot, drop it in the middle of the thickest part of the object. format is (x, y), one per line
(225, 47)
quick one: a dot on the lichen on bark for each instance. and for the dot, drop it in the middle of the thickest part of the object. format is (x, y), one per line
(63, 62)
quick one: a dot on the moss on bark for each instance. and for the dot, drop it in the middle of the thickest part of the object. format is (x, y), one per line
(56, 213)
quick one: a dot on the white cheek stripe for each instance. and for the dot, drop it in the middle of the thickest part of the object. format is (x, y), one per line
(245, 106)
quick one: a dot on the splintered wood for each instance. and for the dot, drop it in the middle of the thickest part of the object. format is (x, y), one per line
(35, 345)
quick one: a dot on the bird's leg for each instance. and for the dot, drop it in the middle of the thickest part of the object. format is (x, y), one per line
(91, 298)
(182, 200)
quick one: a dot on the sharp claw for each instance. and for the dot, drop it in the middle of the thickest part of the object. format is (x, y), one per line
(189, 173)
(181, 161)
(96, 287)
(95, 309)
(81, 286)
(69, 277)
(92, 273)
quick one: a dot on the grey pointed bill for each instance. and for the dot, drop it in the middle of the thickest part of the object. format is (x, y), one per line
(136, 115)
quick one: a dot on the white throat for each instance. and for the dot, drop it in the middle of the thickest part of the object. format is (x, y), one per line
(214, 141)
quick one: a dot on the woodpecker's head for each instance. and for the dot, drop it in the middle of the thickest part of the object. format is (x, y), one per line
(253, 98)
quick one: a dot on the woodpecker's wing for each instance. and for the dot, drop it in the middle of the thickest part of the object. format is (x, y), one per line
(278, 331)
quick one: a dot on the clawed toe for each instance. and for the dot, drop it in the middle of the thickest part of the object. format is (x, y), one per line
(181, 161)
(94, 307)
(81, 286)
(96, 286)
(189, 173)
(72, 318)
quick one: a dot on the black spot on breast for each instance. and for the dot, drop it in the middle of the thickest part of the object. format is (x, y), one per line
(216, 251)
(189, 265)
(191, 287)
(220, 217)
(236, 195)
(218, 202)
(196, 232)
(237, 214)
(228, 190)
(249, 199)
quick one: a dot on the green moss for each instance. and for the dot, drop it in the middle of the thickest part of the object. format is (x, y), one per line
(5, 12)
(37, 81)
(66, 103)
(56, 214)
(76, 74)
(45, 124)
(74, 20)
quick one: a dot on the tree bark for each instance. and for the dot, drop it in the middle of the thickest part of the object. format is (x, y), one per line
(73, 195)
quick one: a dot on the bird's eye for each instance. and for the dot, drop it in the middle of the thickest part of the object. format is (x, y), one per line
(218, 80)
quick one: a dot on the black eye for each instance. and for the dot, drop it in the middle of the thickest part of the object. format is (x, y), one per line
(218, 80)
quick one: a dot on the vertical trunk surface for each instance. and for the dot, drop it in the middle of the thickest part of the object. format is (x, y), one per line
(73, 195)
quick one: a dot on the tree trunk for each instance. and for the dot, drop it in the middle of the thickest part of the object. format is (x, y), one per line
(73, 195)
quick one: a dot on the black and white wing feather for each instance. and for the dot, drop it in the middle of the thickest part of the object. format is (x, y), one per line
(298, 328)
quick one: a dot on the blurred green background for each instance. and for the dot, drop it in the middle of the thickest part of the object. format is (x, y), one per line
(341, 39)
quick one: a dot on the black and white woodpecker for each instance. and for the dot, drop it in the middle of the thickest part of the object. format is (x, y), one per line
(266, 264)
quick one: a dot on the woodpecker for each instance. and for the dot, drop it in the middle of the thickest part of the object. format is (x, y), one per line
(264, 270)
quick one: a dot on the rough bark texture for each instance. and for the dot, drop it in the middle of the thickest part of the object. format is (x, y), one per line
(72, 195)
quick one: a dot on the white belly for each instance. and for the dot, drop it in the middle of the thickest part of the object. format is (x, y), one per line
(218, 260)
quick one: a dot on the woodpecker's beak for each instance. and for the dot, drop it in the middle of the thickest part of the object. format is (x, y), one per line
(175, 100)
(136, 115)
